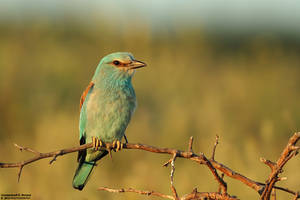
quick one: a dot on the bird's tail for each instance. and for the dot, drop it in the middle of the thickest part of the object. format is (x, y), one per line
(82, 173)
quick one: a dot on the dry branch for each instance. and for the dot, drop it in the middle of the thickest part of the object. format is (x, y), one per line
(192, 196)
(276, 168)
(215, 147)
(172, 177)
(207, 196)
(143, 192)
(263, 189)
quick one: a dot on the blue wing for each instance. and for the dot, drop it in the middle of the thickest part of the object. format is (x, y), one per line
(82, 120)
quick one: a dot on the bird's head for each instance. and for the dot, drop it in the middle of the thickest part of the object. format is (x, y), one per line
(117, 66)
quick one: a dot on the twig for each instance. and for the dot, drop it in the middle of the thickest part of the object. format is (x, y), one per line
(20, 171)
(39, 156)
(282, 189)
(172, 177)
(172, 162)
(221, 182)
(27, 149)
(220, 186)
(191, 144)
(273, 194)
(271, 164)
(297, 196)
(54, 157)
(142, 192)
(276, 168)
(290, 151)
(194, 195)
(207, 196)
(214, 149)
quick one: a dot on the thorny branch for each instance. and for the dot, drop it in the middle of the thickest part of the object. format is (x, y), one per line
(276, 168)
(39, 156)
(263, 189)
(215, 146)
(192, 196)
(172, 161)
(143, 192)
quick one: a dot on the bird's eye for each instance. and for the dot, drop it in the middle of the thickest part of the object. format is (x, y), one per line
(116, 62)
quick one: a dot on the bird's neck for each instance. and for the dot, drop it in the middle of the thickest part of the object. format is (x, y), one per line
(114, 83)
(107, 79)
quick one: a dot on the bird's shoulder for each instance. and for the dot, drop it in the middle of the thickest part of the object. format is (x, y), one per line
(85, 92)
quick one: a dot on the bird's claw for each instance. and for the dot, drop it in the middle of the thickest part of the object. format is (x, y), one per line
(117, 145)
(97, 143)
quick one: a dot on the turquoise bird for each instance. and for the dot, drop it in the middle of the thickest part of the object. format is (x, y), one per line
(106, 107)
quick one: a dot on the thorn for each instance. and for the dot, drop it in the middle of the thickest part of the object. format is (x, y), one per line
(191, 144)
(261, 159)
(167, 163)
(20, 171)
(18, 146)
(195, 190)
(294, 148)
(282, 178)
(271, 164)
(54, 159)
(214, 148)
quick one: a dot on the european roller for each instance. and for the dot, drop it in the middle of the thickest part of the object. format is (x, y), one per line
(106, 107)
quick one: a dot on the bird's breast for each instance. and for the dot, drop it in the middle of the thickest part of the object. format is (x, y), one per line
(109, 112)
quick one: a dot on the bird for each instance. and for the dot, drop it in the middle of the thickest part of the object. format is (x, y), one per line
(106, 107)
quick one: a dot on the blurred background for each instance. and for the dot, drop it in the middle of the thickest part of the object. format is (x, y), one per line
(214, 67)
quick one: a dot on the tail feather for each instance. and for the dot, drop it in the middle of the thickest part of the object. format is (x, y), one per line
(82, 173)
(84, 170)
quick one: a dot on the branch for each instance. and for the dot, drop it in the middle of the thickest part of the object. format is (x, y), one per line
(220, 180)
(192, 196)
(264, 189)
(199, 159)
(297, 195)
(276, 168)
(172, 177)
(39, 156)
(142, 192)
(208, 196)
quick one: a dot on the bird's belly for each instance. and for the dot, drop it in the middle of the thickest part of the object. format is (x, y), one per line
(108, 120)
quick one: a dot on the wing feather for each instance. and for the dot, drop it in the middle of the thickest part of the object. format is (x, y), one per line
(82, 123)
(85, 92)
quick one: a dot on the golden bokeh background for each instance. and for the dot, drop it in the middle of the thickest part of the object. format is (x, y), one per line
(242, 84)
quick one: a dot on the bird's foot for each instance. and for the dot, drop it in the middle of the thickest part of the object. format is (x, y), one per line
(117, 145)
(97, 143)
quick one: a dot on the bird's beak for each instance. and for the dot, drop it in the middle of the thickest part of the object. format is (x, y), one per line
(137, 64)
